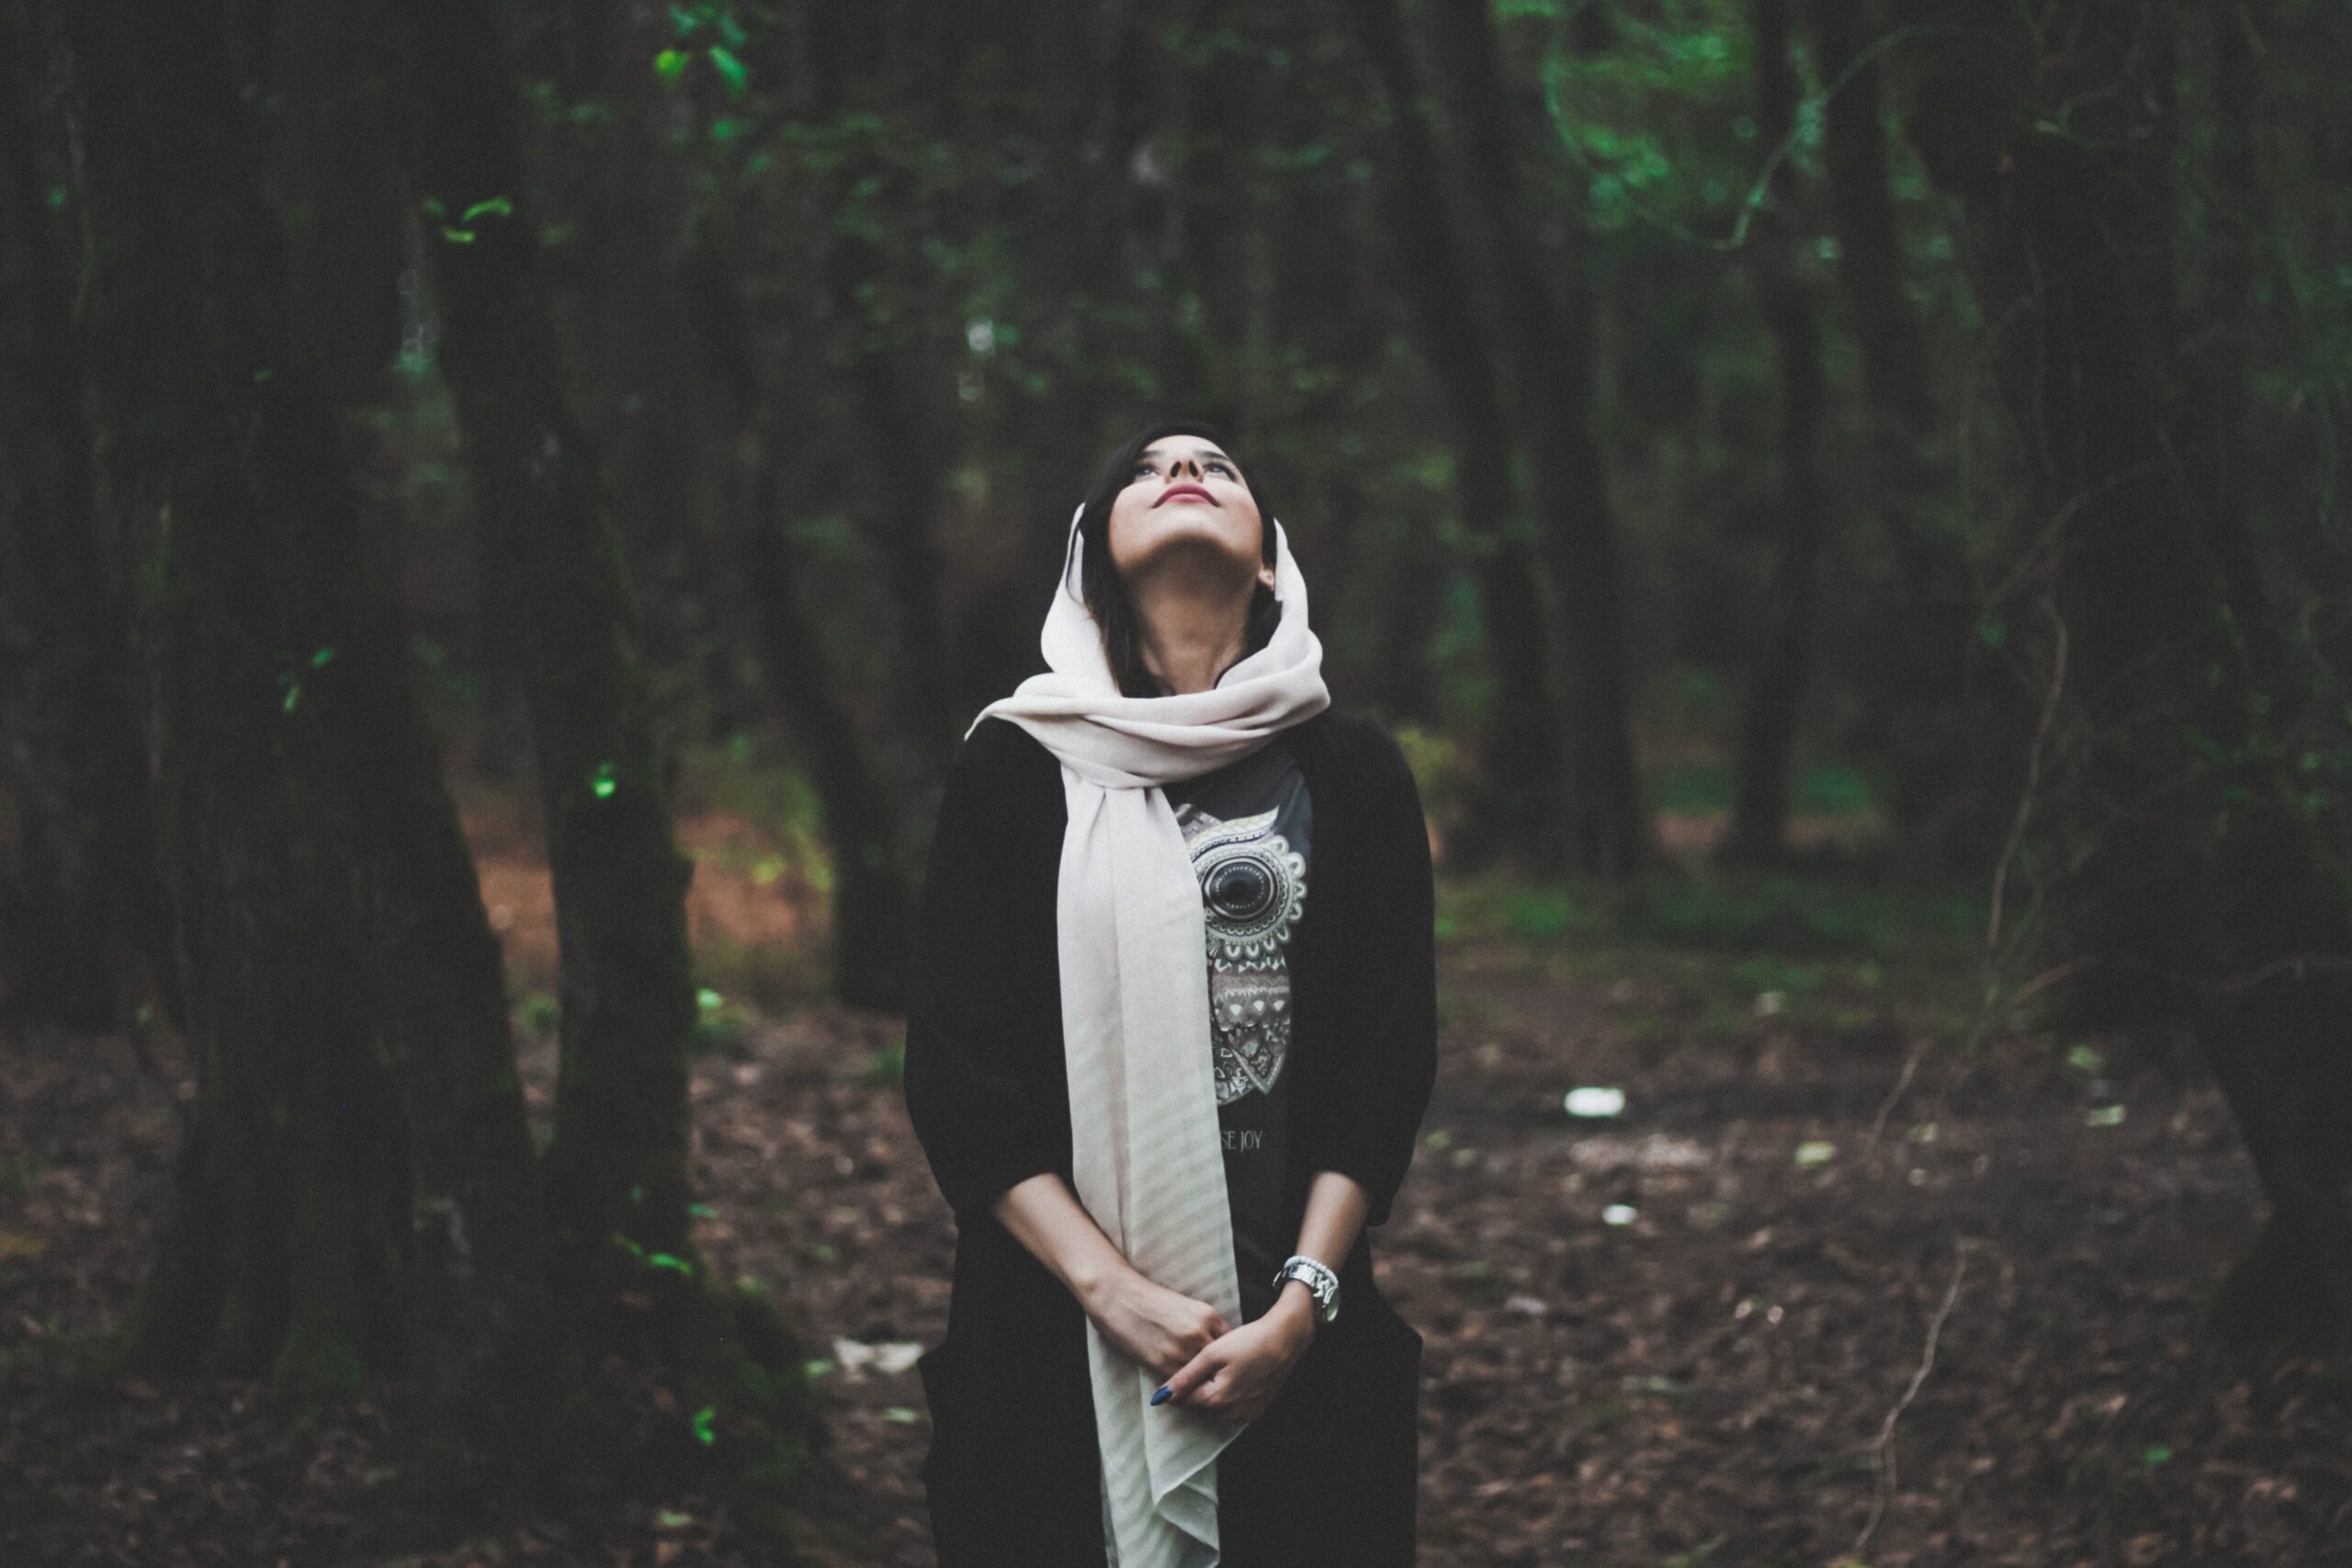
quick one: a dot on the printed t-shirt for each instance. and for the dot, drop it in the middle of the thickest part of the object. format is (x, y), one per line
(1250, 825)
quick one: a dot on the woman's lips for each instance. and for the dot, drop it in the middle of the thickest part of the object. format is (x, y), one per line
(1172, 491)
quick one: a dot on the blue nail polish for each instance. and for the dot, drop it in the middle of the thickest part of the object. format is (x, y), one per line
(1161, 1394)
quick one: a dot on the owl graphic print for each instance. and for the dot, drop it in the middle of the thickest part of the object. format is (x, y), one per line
(1249, 826)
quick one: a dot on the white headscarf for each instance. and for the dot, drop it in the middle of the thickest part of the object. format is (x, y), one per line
(1147, 1156)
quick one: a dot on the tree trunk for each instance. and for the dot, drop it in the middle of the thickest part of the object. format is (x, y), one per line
(1054, 433)
(865, 827)
(355, 1192)
(1780, 675)
(617, 1165)
(1519, 809)
(1951, 794)
(909, 460)
(902, 394)
(1548, 354)
(654, 390)
(872, 910)
(84, 897)
(335, 178)
(290, 1236)
(2197, 882)
(627, 1277)
(480, 1304)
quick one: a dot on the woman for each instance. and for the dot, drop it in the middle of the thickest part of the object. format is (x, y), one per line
(1163, 1186)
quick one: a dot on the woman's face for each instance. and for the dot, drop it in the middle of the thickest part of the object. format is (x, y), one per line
(1185, 506)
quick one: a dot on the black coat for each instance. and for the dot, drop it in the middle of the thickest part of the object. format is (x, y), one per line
(1328, 1473)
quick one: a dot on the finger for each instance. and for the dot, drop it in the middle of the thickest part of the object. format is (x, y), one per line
(1180, 1385)
(1203, 1394)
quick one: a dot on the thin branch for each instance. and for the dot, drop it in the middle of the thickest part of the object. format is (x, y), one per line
(2295, 963)
(1902, 1082)
(1882, 1451)
(2033, 771)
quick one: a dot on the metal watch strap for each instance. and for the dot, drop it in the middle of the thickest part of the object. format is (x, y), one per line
(1320, 1282)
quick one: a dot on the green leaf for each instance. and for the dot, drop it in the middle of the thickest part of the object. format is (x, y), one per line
(603, 781)
(703, 1419)
(497, 206)
(730, 69)
(458, 236)
(665, 1261)
(669, 64)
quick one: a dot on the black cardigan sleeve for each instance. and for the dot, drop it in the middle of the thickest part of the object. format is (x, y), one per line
(975, 1003)
(1370, 1118)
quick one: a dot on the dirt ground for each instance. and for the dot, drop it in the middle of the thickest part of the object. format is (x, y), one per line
(1826, 1290)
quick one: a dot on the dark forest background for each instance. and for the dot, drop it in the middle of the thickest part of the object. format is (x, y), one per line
(507, 509)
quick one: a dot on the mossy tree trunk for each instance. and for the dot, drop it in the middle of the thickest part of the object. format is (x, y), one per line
(356, 1193)
(618, 1181)
(617, 1184)
(479, 1301)
(290, 1238)
(83, 898)
(2193, 884)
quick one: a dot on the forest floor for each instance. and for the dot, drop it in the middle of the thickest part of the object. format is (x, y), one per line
(1832, 1287)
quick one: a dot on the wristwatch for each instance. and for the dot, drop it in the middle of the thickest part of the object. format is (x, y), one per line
(1320, 1281)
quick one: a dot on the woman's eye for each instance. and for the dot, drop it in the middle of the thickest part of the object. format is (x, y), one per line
(1144, 467)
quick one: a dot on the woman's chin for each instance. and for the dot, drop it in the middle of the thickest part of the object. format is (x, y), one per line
(1167, 535)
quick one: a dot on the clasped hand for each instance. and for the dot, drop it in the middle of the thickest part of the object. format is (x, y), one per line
(1205, 1364)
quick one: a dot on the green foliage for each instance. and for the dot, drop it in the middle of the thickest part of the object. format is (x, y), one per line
(1787, 914)
(719, 1024)
(887, 1066)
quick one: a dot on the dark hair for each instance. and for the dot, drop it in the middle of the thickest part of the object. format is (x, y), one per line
(1105, 592)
